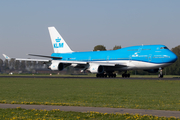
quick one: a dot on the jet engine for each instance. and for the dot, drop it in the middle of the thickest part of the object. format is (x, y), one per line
(57, 66)
(96, 69)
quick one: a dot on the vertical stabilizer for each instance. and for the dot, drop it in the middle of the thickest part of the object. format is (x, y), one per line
(58, 43)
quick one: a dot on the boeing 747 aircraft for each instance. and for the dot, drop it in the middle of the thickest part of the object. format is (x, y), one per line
(151, 58)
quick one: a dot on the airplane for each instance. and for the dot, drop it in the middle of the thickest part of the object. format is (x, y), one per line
(151, 58)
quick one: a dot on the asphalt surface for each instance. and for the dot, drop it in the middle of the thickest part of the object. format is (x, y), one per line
(75, 77)
(159, 113)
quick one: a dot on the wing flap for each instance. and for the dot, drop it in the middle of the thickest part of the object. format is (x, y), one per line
(45, 56)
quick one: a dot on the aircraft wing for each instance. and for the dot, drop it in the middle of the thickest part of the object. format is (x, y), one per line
(123, 64)
(45, 56)
(40, 60)
(22, 59)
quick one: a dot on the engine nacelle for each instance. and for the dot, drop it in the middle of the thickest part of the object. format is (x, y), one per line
(152, 70)
(96, 69)
(57, 66)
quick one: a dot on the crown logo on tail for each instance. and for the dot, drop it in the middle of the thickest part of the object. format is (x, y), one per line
(58, 44)
(58, 39)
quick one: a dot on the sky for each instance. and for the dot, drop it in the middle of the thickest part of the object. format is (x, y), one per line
(86, 23)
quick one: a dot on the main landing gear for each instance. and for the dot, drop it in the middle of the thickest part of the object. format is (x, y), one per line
(125, 75)
(104, 75)
(101, 75)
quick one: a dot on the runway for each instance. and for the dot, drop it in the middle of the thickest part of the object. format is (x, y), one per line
(79, 77)
(159, 113)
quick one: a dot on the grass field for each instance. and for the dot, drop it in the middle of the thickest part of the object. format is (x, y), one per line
(21, 114)
(90, 75)
(142, 94)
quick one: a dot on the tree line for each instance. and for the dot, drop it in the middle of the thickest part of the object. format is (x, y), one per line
(14, 66)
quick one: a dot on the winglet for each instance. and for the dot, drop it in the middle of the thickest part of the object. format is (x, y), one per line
(6, 57)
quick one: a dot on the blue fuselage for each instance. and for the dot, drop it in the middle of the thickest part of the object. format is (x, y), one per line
(157, 54)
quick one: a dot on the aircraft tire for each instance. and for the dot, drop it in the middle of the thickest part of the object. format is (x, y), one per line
(125, 75)
(105, 75)
(161, 75)
(110, 75)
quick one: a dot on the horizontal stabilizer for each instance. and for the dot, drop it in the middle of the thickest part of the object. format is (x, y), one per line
(6, 57)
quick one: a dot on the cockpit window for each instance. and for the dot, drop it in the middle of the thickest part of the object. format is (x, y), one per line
(163, 48)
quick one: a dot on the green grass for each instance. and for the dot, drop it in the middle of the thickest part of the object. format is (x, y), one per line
(90, 75)
(119, 93)
(21, 114)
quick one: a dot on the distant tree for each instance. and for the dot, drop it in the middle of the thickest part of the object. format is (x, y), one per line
(1, 65)
(28, 64)
(6, 65)
(12, 64)
(176, 50)
(174, 69)
(99, 47)
(116, 47)
(23, 65)
(41, 65)
(34, 65)
(17, 64)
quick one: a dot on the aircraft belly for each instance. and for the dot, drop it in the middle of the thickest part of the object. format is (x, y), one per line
(136, 65)
(148, 65)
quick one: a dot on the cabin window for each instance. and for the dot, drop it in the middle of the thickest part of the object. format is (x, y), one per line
(163, 48)
(133, 50)
(146, 49)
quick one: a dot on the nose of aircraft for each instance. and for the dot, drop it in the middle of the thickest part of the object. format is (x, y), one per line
(173, 57)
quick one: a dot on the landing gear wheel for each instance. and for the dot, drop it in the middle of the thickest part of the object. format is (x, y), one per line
(101, 75)
(111, 75)
(124, 75)
(128, 75)
(114, 75)
(160, 75)
(105, 75)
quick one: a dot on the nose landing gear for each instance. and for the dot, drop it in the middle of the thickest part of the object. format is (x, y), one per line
(160, 73)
